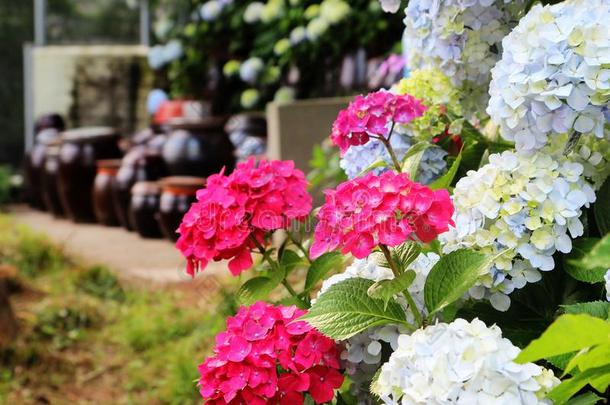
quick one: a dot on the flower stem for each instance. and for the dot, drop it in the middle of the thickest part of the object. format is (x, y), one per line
(299, 245)
(276, 267)
(388, 256)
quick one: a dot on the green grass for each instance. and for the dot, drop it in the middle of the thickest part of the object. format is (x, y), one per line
(82, 322)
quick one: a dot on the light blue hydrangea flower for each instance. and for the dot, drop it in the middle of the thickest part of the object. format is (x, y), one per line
(462, 38)
(358, 158)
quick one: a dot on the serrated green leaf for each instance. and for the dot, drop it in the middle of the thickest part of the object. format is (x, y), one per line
(386, 289)
(346, 310)
(562, 393)
(598, 309)
(376, 164)
(585, 399)
(573, 262)
(406, 253)
(446, 179)
(567, 334)
(597, 356)
(320, 268)
(290, 260)
(601, 209)
(452, 276)
(598, 257)
(255, 289)
(411, 160)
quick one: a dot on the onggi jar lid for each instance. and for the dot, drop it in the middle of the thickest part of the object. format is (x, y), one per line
(88, 134)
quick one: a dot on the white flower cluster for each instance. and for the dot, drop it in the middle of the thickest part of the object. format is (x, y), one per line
(521, 209)
(554, 75)
(462, 38)
(161, 55)
(607, 278)
(364, 352)
(251, 69)
(210, 10)
(358, 158)
(460, 363)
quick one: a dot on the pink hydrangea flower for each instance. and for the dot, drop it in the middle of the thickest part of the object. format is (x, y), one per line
(373, 115)
(231, 211)
(262, 358)
(386, 209)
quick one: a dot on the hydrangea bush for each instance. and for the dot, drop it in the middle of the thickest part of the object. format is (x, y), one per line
(485, 285)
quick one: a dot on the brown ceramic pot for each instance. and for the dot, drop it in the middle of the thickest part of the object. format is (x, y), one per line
(50, 193)
(144, 208)
(248, 133)
(35, 162)
(140, 164)
(198, 147)
(177, 195)
(103, 187)
(80, 150)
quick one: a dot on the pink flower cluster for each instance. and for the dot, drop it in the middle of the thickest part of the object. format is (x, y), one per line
(373, 115)
(232, 211)
(387, 209)
(266, 356)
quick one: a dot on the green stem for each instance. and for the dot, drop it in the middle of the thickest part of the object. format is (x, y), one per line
(275, 266)
(300, 246)
(388, 256)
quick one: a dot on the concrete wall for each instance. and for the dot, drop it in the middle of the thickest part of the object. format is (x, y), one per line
(294, 128)
(92, 85)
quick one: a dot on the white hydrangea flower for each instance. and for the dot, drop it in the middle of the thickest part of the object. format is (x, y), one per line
(462, 38)
(358, 158)
(364, 353)
(607, 278)
(527, 207)
(390, 6)
(316, 28)
(254, 12)
(334, 11)
(251, 69)
(461, 363)
(210, 10)
(554, 74)
(161, 55)
(298, 35)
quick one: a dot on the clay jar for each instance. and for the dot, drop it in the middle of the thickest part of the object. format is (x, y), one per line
(35, 162)
(80, 150)
(177, 195)
(144, 209)
(103, 186)
(198, 147)
(248, 133)
(142, 163)
(48, 181)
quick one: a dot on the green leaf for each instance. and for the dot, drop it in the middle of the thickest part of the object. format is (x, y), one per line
(403, 255)
(386, 289)
(601, 209)
(598, 309)
(346, 310)
(585, 399)
(452, 276)
(573, 262)
(320, 268)
(376, 164)
(411, 160)
(446, 179)
(597, 356)
(567, 334)
(290, 260)
(255, 289)
(568, 388)
(597, 257)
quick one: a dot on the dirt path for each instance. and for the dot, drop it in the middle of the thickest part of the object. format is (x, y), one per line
(130, 256)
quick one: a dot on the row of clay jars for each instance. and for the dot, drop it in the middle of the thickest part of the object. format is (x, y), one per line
(157, 208)
(78, 155)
